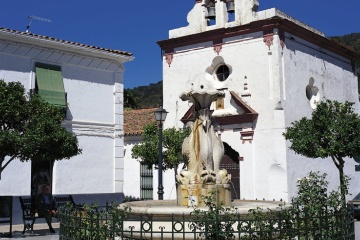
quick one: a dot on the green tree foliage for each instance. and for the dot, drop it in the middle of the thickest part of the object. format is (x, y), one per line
(31, 129)
(314, 213)
(333, 131)
(148, 153)
(149, 96)
(131, 100)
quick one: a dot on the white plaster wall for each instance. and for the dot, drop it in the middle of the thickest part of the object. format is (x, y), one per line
(276, 79)
(94, 115)
(335, 80)
(14, 68)
(90, 172)
(90, 94)
(168, 184)
(132, 171)
(132, 174)
(15, 179)
(250, 62)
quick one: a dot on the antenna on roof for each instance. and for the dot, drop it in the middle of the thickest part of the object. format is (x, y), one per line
(31, 18)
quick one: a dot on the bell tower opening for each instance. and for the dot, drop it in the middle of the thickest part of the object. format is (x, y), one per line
(210, 12)
(230, 8)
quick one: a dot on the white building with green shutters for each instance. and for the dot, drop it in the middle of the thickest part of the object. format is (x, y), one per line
(87, 81)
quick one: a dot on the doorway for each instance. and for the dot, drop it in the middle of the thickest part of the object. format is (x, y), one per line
(233, 169)
(41, 173)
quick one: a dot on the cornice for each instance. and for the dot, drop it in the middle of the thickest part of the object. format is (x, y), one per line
(248, 116)
(265, 26)
(28, 39)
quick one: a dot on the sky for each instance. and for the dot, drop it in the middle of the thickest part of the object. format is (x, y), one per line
(136, 25)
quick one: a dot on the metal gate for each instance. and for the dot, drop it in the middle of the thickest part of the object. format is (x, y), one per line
(233, 169)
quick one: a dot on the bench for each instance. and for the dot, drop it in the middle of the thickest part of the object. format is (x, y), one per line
(29, 214)
(6, 206)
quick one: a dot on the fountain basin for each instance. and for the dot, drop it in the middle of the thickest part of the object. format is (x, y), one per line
(164, 219)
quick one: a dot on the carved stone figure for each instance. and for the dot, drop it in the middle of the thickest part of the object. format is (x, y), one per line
(203, 149)
(223, 177)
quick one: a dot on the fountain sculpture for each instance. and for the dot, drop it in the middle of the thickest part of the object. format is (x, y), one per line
(202, 152)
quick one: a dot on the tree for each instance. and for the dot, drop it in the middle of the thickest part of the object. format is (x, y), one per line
(148, 153)
(333, 131)
(131, 100)
(30, 130)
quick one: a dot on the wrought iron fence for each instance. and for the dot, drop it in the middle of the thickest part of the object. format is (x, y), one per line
(111, 222)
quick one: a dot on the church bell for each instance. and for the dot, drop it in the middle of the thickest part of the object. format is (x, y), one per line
(230, 7)
(211, 13)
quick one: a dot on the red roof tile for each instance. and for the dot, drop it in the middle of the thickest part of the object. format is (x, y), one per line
(135, 120)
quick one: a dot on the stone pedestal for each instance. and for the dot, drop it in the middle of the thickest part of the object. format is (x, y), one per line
(192, 194)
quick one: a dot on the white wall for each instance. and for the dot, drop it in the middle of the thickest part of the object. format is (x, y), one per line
(276, 79)
(90, 172)
(132, 174)
(335, 80)
(95, 94)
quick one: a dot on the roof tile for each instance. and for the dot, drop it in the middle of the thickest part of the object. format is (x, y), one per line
(64, 41)
(135, 120)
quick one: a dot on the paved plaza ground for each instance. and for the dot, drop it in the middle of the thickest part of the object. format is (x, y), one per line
(41, 232)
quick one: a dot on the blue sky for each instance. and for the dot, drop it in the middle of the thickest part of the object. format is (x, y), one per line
(136, 26)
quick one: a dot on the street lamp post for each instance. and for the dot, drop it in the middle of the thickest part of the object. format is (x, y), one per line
(160, 116)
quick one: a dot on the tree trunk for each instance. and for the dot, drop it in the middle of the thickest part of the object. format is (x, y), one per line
(342, 182)
(2, 160)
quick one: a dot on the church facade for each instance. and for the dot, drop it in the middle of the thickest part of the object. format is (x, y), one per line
(273, 70)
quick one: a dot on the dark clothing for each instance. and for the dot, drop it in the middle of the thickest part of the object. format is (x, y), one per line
(45, 204)
(45, 201)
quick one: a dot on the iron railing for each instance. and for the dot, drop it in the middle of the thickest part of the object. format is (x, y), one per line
(111, 222)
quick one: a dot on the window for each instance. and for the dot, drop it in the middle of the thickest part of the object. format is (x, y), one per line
(146, 182)
(219, 104)
(222, 72)
(49, 84)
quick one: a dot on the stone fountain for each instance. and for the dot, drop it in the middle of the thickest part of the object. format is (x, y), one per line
(202, 152)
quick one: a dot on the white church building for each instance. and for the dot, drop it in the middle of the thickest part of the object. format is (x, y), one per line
(273, 70)
(88, 82)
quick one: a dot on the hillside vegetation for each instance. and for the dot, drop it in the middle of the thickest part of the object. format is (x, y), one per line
(151, 95)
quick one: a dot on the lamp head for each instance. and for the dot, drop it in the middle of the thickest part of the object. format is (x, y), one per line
(160, 114)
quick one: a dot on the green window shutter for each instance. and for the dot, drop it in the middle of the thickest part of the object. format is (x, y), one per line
(50, 85)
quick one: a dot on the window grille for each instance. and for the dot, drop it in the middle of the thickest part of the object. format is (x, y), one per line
(146, 182)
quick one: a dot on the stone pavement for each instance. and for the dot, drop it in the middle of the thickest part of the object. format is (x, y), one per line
(41, 232)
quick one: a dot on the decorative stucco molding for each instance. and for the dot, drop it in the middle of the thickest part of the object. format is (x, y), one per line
(92, 129)
(268, 38)
(217, 48)
(247, 135)
(169, 58)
